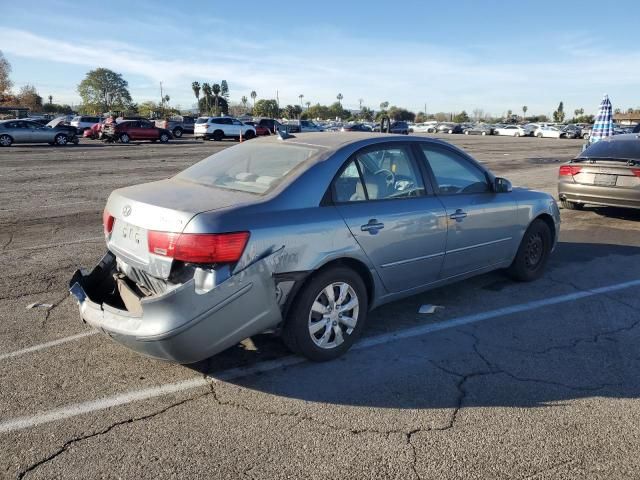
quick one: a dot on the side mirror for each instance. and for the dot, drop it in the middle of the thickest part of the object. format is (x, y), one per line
(502, 185)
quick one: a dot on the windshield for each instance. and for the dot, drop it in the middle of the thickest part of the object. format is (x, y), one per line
(250, 167)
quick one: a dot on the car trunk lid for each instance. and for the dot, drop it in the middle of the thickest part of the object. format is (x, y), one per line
(606, 173)
(163, 206)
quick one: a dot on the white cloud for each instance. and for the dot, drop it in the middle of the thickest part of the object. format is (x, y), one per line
(404, 73)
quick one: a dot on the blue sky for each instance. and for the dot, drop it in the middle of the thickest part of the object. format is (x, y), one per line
(489, 54)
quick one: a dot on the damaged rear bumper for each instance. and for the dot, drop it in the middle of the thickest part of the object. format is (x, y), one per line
(184, 324)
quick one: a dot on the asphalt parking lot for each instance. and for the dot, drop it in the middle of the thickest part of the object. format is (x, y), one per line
(508, 380)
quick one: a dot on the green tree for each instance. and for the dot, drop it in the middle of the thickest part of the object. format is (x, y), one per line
(524, 112)
(253, 96)
(244, 101)
(266, 108)
(300, 97)
(5, 81)
(297, 111)
(397, 113)
(339, 97)
(105, 90)
(206, 90)
(28, 97)
(195, 86)
(308, 104)
(384, 105)
(149, 109)
(461, 117)
(224, 90)
(558, 115)
(366, 114)
(216, 90)
(288, 112)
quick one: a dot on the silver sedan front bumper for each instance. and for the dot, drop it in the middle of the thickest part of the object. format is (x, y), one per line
(183, 325)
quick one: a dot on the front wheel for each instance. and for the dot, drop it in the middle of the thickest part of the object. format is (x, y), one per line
(125, 138)
(60, 139)
(218, 136)
(533, 253)
(177, 132)
(5, 141)
(328, 315)
(539, 135)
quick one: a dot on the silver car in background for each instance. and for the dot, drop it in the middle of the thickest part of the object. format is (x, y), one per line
(605, 174)
(26, 131)
(303, 235)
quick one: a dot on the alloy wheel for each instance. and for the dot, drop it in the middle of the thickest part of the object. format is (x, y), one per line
(333, 315)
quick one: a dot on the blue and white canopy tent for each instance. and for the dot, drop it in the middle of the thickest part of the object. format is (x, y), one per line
(603, 124)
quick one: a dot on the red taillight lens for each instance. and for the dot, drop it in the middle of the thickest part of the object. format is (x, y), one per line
(569, 170)
(636, 171)
(107, 222)
(197, 247)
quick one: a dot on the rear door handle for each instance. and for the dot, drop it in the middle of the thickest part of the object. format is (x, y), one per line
(458, 216)
(372, 227)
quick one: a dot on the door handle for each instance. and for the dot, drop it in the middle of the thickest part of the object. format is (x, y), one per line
(458, 216)
(372, 227)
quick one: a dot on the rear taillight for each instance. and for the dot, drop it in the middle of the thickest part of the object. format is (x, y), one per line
(636, 172)
(107, 222)
(199, 247)
(569, 170)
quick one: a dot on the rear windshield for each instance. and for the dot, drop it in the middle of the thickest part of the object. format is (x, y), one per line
(202, 120)
(251, 167)
(613, 150)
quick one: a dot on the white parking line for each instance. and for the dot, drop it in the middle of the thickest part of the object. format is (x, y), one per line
(21, 423)
(50, 344)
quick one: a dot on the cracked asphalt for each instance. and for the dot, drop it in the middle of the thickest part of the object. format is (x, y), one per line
(549, 392)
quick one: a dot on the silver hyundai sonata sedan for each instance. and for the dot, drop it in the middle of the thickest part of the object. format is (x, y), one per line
(303, 235)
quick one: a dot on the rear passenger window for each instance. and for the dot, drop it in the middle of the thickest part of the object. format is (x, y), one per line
(348, 186)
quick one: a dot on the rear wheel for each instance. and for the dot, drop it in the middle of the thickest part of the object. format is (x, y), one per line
(164, 137)
(5, 141)
(328, 315)
(249, 134)
(125, 138)
(483, 134)
(218, 135)
(539, 135)
(533, 253)
(60, 139)
(177, 132)
(566, 204)
(450, 131)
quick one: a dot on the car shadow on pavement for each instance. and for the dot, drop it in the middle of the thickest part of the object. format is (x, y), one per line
(615, 212)
(556, 353)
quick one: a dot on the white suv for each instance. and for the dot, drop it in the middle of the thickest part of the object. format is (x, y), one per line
(218, 128)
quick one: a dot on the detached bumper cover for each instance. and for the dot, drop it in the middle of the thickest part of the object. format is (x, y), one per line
(599, 195)
(182, 325)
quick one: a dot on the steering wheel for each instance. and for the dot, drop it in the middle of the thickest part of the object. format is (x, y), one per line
(389, 176)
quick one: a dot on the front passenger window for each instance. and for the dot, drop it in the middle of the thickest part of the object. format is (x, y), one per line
(455, 174)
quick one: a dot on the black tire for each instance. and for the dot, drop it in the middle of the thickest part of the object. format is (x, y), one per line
(218, 135)
(164, 137)
(296, 333)
(249, 134)
(60, 139)
(5, 141)
(539, 135)
(177, 132)
(125, 138)
(566, 204)
(533, 253)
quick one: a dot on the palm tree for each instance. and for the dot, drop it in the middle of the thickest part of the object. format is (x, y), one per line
(216, 89)
(195, 86)
(524, 111)
(244, 101)
(167, 98)
(308, 104)
(253, 97)
(360, 101)
(340, 97)
(301, 96)
(50, 99)
(206, 89)
(384, 105)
